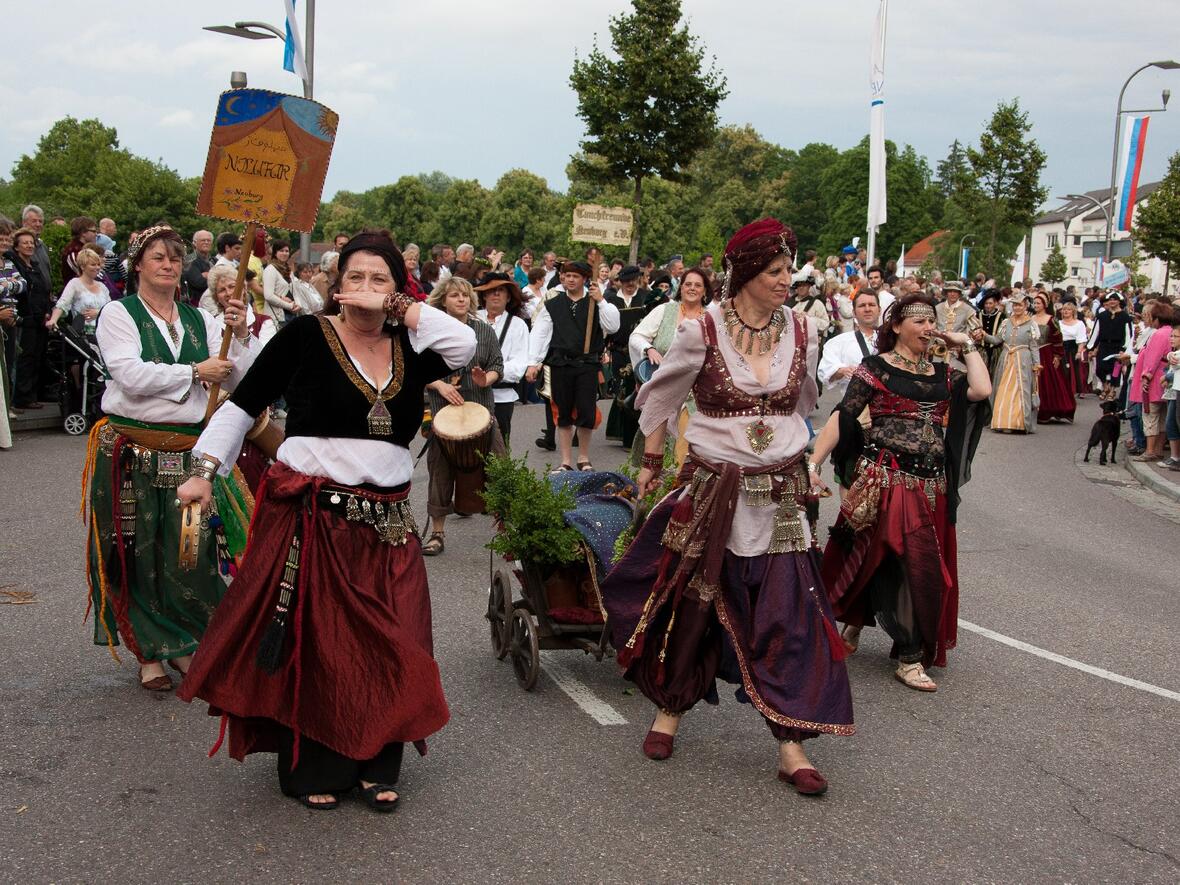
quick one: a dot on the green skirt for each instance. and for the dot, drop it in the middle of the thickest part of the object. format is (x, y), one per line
(139, 594)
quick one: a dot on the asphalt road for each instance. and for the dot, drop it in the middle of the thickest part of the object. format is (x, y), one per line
(1020, 769)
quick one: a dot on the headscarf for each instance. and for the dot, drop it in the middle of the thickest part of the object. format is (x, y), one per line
(752, 248)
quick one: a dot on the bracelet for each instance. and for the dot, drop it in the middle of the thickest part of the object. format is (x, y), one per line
(205, 468)
(653, 461)
(812, 467)
(395, 306)
(196, 373)
(970, 347)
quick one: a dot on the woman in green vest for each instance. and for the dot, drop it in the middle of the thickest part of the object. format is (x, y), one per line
(158, 353)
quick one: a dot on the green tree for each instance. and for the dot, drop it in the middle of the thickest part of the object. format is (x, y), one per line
(458, 213)
(1158, 219)
(79, 169)
(800, 201)
(652, 107)
(1007, 167)
(407, 207)
(522, 212)
(1054, 268)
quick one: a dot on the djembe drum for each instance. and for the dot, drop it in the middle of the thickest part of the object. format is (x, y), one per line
(464, 436)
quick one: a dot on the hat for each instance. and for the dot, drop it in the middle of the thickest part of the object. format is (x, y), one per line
(381, 245)
(104, 242)
(848, 250)
(494, 280)
(802, 281)
(629, 273)
(578, 267)
(661, 277)
(1112, 294)
(752, 248)
(953, 285)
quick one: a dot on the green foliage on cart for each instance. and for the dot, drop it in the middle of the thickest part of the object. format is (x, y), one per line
(531, 515)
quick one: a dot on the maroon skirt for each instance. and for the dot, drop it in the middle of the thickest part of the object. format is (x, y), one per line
(923, 541)
(1055, 386)
(358, 670)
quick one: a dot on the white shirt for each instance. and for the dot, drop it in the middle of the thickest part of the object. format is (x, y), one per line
(542, 333)
(347, 461)
(1076, 332)
(275, 290)
(265, 332)
(515, 351)
(884, 298)
(843, 350)
(157, 393)
(532, 302)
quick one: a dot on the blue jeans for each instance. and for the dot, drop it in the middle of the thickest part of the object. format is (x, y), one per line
(1135, 414)
(1172, 422)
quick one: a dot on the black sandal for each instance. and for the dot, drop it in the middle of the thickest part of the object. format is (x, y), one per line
(305, 800)
(585, 467)
(560, 469)
(370, 794)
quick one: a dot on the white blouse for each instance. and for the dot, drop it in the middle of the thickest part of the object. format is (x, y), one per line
(724, 440)
(154, 392)
(515, 351)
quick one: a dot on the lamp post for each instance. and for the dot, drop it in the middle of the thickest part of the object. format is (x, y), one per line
(1168, 65)
(264, 31)
(962, 256)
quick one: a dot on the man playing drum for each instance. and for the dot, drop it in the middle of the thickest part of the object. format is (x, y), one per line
(467, 386)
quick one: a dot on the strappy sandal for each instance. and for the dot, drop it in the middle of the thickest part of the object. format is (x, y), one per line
(156, 683)
(585, 466)
(306, 802)
(914, 676)
(563, 468)
(850, 636)
(434, 544)
(370, 794)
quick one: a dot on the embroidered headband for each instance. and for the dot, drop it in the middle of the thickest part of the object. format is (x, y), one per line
(140, 242)
(919, 310)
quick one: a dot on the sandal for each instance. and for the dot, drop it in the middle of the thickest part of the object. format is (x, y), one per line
(585, 466)
(434, 544)
(914, 676)
(850, 636)
(560, 469)
(305, 800)
(175, 667)
(370, 794)
(156, 683)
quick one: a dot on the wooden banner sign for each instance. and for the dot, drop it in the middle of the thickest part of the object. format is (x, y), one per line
(607, 225)
(268, 158)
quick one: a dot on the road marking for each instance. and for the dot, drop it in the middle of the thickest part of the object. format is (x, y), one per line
(1070, 662)
(597, 709)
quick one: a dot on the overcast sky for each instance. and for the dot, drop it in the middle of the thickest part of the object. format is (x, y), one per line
(474, 88)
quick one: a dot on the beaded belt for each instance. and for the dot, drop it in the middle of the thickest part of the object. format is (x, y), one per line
(389, 515)
(167, 469)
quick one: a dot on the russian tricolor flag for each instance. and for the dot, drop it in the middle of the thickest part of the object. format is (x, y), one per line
(1134, 138)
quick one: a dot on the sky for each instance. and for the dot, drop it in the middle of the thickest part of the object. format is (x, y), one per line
(474, 89)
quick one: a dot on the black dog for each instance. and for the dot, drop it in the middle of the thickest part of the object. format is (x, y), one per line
(1105, 432)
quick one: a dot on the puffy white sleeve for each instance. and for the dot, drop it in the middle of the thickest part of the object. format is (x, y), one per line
(643, 335)
(223, 436)
(119, 343)
(661, 398)
(451, 339)
(515, 350)
(541, 335)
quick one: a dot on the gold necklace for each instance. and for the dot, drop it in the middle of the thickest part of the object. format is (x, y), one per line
(172, 333)
(919, 366)
(767, 335)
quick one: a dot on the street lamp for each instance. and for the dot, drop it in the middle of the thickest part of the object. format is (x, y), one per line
(962, 257)
(1168, 65)
(264, 31)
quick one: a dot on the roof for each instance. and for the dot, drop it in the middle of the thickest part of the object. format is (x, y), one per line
(1086, 209)
(918, 252)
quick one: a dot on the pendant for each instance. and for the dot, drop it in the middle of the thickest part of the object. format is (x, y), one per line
(174, 335)
(380, 422)
(335, 499)
(761, 435)
(928, 433)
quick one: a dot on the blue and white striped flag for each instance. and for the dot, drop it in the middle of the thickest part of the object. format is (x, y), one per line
(293, 60)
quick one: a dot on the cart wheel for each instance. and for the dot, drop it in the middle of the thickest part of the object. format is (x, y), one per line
(75, 424)
(499, 613)
(526, 655)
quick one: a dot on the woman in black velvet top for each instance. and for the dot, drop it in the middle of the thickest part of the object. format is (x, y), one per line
(322, 649)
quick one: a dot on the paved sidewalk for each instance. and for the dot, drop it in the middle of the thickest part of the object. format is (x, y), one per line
(1159, 479)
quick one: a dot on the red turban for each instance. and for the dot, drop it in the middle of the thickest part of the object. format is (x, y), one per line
(753, 247)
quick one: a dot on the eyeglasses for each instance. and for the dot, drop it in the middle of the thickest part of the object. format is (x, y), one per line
(92, 230)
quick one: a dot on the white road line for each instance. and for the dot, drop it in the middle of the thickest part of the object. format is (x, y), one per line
(1070, 662)
(597, 709)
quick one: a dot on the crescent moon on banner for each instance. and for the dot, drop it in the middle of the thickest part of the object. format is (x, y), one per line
(228, 107)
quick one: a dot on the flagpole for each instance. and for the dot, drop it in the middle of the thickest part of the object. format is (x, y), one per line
(877, 211)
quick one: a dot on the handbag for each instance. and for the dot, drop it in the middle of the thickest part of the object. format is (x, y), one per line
(862, 503)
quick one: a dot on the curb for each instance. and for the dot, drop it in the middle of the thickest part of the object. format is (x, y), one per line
(1149, 478)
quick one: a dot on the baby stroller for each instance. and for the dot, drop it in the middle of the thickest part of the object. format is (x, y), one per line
(80, 399)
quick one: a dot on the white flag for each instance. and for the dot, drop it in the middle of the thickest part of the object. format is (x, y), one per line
(901, 263)
(1018, 264)
(877, 210)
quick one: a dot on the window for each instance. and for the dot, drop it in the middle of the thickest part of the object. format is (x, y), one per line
(1077, 240)
(1073, 271)
(1050, 241)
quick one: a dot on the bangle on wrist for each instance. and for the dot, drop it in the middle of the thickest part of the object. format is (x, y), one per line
(205, 467)
(812, 467)
(196, 373)
(395, 306)
(653, 461)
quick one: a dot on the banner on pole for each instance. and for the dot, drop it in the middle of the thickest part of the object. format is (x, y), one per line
(963, 263)
(268, 157)
(1018, 264)
(878, 213)
(1114, 273)
(1130, 162)
(605, 225)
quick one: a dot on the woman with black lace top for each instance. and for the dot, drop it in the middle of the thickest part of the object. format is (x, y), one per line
(891, 556)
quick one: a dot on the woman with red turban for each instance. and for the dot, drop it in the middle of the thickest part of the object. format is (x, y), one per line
(723, 578)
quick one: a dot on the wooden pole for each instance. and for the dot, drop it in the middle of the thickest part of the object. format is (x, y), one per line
(228, 335)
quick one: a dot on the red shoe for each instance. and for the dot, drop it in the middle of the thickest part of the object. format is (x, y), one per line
(806, 781)
(657, 745)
